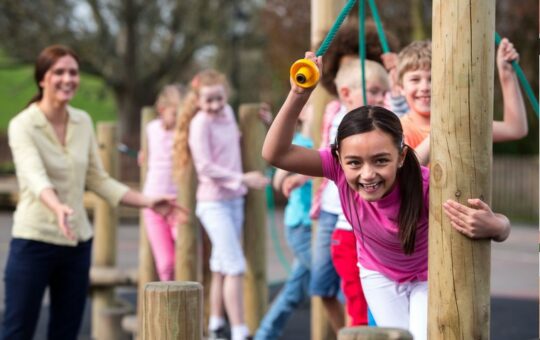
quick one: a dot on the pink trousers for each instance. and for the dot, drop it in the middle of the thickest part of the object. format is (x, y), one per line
(161, 233)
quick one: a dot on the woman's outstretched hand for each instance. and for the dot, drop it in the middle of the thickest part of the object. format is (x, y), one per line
(167, 206)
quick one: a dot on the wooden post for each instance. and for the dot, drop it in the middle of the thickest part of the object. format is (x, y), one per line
(172, 310)
(323, 15)
(255, 289)
(373, 333)
(188, 251)
(105, 224)
(147, 269)
(461, 160)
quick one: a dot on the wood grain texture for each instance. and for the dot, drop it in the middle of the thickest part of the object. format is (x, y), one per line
(172, 311)
(373, 333)
(461, 161)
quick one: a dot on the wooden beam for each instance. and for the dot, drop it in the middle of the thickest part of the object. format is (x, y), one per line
(461, 160)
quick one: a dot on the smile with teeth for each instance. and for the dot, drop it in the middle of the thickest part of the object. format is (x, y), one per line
(371, 186)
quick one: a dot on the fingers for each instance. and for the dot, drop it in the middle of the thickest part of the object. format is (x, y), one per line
(478, 204)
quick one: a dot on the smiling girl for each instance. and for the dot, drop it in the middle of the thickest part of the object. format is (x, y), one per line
(384, 194)
(208, 133)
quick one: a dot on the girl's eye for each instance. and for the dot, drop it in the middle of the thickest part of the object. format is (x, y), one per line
(353, 163)
(381, 161)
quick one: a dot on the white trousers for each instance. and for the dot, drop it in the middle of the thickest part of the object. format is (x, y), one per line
(223, 221)
(396, 305)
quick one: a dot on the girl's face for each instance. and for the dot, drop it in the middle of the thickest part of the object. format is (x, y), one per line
(168, 116)
(61, 81)
(370, 161)
(212, 98)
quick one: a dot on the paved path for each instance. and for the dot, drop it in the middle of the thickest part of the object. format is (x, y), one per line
(514, 280)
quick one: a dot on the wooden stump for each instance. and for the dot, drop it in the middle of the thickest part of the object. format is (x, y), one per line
(172, 310)
(373, 333)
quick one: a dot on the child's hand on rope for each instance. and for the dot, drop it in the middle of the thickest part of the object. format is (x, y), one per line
(477, 221)
(318, 61)
(506, 54)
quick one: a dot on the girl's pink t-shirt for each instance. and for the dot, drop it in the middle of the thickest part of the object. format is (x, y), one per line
(376, 230)
(159, 178)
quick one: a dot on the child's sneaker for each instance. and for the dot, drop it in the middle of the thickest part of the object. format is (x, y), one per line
(218, 334)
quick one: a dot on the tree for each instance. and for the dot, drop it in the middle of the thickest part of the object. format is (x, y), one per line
(136, 46)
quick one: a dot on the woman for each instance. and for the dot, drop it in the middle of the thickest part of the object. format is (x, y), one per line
(56, 159)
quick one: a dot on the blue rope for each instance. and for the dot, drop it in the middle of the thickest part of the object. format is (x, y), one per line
(270, 203)
(378, 24)
(335, 27)
(362, 45)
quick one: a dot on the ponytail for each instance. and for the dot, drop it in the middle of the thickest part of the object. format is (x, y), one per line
(181, 153)
(411, 188)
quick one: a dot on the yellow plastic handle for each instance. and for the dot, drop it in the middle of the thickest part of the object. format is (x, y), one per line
(305, 73)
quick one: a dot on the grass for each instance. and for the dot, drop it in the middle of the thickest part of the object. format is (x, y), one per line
(17, 87)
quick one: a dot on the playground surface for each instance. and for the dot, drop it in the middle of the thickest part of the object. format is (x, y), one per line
(514, 281)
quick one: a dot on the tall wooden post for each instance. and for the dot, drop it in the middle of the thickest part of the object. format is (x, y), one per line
(255, 289)
(323, 15)
(105, 224)
(172, 310)
(188, 251)
(147, 269)
(461, 148)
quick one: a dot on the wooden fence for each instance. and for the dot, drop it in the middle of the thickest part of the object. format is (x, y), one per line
(515, 187)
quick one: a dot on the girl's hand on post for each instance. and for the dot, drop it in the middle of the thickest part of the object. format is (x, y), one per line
(255, 180)
(477, 221)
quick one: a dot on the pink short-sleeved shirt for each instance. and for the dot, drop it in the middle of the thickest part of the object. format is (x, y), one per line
(376, 230)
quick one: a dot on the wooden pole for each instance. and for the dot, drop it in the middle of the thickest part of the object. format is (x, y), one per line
(323, 15)
(461, 161)
(188, 251)
(172, 310)
(255, 289)
(147, 269)
(373, 333)
(105, 224)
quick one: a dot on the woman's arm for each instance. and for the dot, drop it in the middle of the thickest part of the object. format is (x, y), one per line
(49, 197)
(278, 149)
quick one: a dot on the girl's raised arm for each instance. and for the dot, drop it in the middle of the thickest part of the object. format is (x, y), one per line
(278, 149)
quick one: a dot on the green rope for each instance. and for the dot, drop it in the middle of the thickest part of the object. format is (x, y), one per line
(273, 227)
(362, 45)
(335, 27)
(378, 24)
(523, 80)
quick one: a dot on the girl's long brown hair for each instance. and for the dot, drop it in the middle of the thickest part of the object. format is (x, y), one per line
(181, 153)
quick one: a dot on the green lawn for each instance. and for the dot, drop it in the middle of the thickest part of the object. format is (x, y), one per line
(17, 87)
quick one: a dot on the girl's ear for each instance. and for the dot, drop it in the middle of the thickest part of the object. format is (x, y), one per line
(402, 155)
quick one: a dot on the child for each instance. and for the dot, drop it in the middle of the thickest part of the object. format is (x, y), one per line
(384, 194)
(161, 230)
(343, 248)
(414, 77)
(209, 129)
(298, 235)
